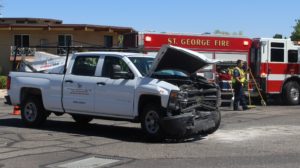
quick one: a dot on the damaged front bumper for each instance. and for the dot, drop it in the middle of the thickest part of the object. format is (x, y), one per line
(187, 124)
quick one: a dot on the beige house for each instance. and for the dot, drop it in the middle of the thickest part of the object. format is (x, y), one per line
(30, 32)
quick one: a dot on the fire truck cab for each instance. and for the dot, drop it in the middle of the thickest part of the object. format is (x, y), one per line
(275, 65)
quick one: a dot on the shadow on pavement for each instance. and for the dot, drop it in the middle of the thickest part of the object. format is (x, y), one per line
(109, 131)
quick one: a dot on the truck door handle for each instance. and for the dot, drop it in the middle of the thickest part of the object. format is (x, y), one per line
(68, 81)
(101, 83)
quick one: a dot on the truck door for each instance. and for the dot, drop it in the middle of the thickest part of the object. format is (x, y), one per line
(258, 63)
(114, 97)
(79, 85)
(276, 66)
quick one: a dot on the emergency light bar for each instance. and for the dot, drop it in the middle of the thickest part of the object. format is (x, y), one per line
(148, 38)
(246, 43)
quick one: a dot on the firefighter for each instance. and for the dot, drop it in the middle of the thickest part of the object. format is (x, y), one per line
(238, 82)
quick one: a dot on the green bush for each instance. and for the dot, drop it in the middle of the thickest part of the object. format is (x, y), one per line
(3, 82)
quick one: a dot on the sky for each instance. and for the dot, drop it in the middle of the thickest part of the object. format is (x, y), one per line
(255, 18)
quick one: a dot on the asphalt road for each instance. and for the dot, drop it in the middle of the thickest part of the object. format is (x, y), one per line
(266, 137)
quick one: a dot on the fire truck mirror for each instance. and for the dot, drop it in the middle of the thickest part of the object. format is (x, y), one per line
(263, 45)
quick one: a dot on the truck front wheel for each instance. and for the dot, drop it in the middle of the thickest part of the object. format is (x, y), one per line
(150, 121)
(290, 94)
(33, 113)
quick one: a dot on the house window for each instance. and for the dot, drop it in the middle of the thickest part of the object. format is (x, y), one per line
(108, 41)
(63, 41)
(21, 40)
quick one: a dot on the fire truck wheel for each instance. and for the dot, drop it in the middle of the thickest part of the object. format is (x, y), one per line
(290, 94)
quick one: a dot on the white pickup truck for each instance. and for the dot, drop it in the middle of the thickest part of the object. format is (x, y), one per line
(163, 93)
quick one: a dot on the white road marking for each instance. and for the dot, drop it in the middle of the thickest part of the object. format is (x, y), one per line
(91, 162)
(254, 132)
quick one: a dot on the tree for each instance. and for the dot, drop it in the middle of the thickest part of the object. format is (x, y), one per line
(295, 36)
(278, 36)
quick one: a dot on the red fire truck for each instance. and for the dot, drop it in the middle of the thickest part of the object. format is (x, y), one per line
(273, 62)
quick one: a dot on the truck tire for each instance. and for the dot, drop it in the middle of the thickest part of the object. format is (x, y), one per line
(81, 119)
(290, 94)
(150, 122)
(217, 119)
(33, 113)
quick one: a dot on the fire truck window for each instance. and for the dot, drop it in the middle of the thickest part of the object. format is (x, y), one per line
(277, 52)
(277, 55)
(293, 56)
(277, 45)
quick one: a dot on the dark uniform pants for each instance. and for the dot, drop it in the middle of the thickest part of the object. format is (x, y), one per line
(239, 97)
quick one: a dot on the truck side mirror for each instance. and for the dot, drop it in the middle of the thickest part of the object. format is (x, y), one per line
(116, 68)
(119, 74)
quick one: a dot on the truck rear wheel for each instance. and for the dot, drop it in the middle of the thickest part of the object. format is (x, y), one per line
(150, 122)
(82, 119)
(33, 113)
(290, 94)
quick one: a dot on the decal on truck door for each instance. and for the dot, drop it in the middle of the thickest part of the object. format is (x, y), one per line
(80, 84)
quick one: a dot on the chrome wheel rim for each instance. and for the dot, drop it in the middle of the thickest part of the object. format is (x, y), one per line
(152, 122)
(30, 112)
(294, 94)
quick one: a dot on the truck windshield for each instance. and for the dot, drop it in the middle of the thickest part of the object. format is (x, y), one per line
(143, 64)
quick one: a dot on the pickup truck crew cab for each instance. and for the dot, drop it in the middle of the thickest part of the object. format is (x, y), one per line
(163, 92)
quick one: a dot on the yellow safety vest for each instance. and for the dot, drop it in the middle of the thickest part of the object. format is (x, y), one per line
(242, 76)
(230, 72)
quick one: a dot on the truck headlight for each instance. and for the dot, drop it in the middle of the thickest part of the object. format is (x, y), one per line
(173, 100)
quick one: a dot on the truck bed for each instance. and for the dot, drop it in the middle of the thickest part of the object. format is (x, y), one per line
(50, 86)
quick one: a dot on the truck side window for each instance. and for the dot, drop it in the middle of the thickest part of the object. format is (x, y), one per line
(109, 61)
(277, 52)
(85, 65)
(292, 56)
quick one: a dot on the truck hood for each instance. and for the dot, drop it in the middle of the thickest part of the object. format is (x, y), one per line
(177, 58)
